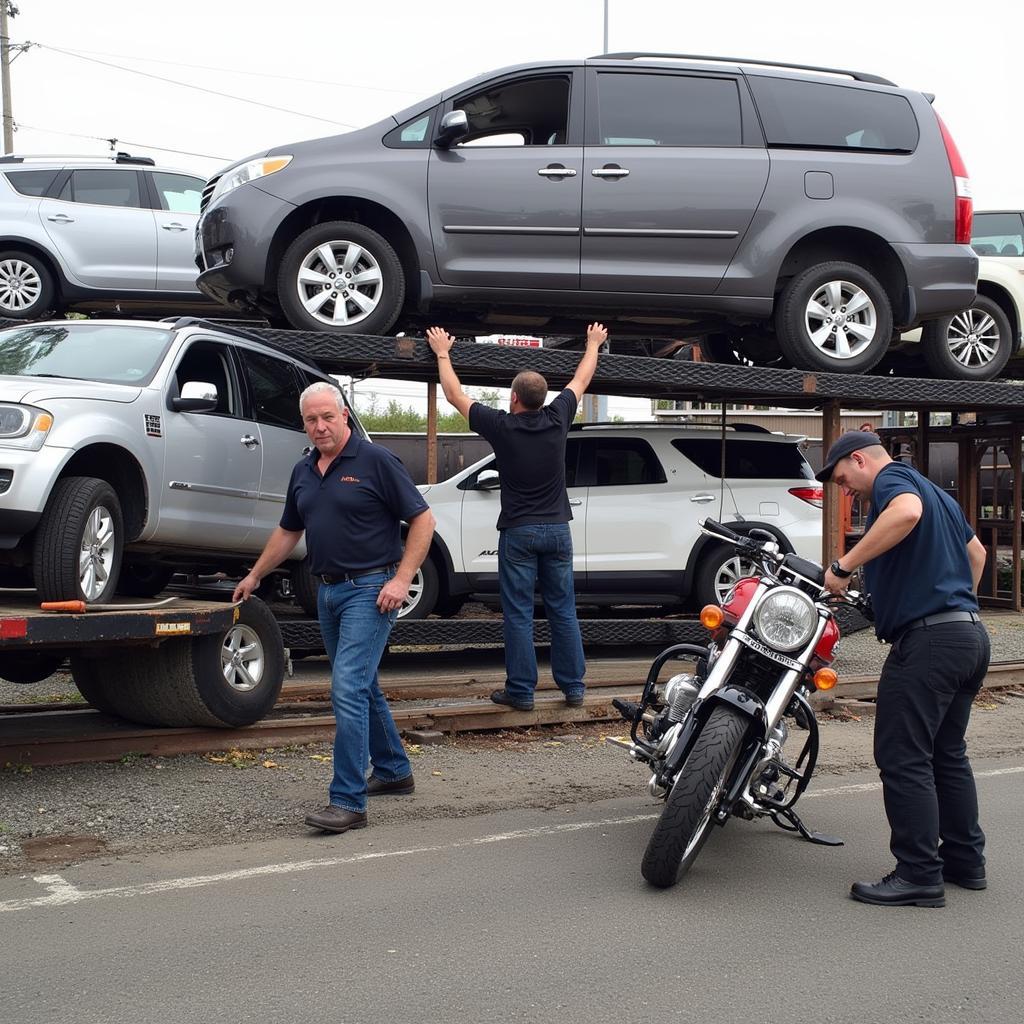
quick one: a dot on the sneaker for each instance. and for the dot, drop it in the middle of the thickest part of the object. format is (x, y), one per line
(575, 699)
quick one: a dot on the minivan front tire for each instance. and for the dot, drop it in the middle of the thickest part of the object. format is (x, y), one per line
(342, 277)
(834, 318)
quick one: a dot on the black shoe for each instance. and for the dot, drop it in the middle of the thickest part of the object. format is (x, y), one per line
(336, 819)
(400, 787)
(503, 697)
(972, 880)
(893, 891)
(575, 700)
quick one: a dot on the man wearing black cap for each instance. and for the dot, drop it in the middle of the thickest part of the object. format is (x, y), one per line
(922, 565)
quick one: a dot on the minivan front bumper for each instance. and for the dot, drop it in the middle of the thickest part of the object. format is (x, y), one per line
(233, 240)
(945, 280)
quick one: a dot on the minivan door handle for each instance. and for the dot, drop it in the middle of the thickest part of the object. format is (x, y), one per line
(249, 441)
(703, 499)
(61, 218)
(556, 171)
(609, 171)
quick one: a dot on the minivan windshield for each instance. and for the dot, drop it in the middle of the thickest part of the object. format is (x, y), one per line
(109, 353)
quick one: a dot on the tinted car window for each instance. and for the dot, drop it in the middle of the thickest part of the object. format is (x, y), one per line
(210, 363)
(625, 461)
(275, 389)
(998, 234)
(524, 112)
(816, 115)
(668, 110)
(31, 183)
(178, 193)
(105, 188)
(746, 460)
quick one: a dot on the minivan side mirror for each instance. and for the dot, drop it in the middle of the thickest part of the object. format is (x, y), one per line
(488, 480)
(454, 125)
(196, 396)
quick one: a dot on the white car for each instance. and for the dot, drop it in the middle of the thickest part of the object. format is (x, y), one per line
(976, 343)
(637, 492)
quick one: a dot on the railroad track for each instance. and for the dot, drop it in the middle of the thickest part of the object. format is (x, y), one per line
(55, 734)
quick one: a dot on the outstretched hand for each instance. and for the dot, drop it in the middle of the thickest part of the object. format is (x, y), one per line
(597, 334)
(439, 340)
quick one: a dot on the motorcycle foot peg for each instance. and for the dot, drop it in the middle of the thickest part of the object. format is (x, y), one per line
(626, 708)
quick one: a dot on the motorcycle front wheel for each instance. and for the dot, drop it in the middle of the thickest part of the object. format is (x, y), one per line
(686, 821)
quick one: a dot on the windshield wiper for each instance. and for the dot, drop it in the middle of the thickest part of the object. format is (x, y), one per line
(58, 376)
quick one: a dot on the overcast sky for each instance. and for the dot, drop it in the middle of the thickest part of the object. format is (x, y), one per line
(330, 67)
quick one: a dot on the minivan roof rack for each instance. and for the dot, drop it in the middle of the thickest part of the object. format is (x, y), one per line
(859, 76)
(117, 158)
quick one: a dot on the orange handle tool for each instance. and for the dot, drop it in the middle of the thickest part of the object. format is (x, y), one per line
(63, 606)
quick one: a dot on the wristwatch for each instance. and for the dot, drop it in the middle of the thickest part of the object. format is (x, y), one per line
(837, 570)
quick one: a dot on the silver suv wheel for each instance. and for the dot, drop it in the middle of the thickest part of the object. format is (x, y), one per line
(242, 658)
(841, 320)
(96, 556)
(20, 285)
(339, 283)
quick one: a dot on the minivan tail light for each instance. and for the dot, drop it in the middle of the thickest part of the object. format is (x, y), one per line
(812, 495)
(964, 220)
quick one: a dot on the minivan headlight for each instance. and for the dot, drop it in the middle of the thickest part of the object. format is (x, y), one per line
(247, 172)
(786, 619)
(23, 426)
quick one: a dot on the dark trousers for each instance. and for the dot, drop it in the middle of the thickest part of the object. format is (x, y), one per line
(924, 701)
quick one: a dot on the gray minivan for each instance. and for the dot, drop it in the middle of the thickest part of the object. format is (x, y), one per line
(778, 213)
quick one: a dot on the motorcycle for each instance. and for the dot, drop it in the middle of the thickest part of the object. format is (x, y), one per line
(721, 741)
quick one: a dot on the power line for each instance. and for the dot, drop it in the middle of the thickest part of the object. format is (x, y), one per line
(236, 71)
(112, 140)
(189, 85)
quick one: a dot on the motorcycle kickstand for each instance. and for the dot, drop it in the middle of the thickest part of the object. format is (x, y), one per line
(796, 825)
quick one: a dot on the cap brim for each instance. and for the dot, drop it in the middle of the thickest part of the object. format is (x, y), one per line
(825, 473)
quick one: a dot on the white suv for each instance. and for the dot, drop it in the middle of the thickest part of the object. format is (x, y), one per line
(637, 493)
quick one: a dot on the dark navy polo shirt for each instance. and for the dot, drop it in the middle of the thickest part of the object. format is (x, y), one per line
(928, 571)
(530, 450)
(352, 513)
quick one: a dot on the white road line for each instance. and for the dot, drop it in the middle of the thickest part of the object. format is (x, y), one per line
(62, 893)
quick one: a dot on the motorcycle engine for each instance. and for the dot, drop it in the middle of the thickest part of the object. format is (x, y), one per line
(679, 693)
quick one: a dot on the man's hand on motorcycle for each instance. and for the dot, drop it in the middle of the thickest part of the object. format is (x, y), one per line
(835, 585)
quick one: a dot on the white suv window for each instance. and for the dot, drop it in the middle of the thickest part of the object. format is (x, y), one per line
(998, 234)
(623, 461)
(745, 460)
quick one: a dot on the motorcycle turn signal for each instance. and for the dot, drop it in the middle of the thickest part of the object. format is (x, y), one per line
(711, 616)
(825, 678)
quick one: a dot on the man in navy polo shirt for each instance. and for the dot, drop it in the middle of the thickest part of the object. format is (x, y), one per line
(349, 497)
(534, 542)
(922, 565)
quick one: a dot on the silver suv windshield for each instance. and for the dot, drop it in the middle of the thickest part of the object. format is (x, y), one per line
(110, 353)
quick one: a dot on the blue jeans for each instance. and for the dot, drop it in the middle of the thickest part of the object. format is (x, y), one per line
(528, 555)
(355, 632)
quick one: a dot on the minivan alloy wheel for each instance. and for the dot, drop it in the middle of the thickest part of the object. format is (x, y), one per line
(841, 319)
(339, 282)
(20, 285)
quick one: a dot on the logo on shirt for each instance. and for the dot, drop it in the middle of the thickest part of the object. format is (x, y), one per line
(349, 479)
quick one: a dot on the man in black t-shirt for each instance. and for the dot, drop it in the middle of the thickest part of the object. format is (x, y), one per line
(534, 545)
(922, 565)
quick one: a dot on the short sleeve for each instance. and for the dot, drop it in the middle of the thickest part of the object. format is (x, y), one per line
(563, 408)
(890, 483)
(485, 420)
(400, 494)
(291, 518)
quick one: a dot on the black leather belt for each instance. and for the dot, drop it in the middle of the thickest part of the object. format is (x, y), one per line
(352, 574)
(939, 618)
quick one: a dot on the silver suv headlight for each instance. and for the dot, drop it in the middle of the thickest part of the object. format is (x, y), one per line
(247, 172)
(786, 619)
(23, 426)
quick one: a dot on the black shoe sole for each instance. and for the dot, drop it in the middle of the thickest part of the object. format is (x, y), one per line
(977, 884)
(933, 902)
(335, 831)
(392, 792)
(509, 704)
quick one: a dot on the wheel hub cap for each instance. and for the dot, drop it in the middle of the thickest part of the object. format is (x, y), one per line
(340, 283)
(841, 320)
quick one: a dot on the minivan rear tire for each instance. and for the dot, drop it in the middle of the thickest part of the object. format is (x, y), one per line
(798, 309)
(376, 256)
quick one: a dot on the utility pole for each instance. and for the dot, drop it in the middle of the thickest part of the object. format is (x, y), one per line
(6, 9)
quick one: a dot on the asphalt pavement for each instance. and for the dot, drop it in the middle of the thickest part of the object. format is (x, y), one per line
(523, 916)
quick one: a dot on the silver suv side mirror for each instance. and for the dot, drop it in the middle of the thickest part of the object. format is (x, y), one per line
(454, 125)
(196, 396)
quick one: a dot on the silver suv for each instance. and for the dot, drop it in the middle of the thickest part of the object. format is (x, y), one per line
(783, 214)
(131, 450)
(81, 231)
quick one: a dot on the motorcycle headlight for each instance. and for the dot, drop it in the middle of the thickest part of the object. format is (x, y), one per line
(23, 426)
(786, 619)
(247, 172)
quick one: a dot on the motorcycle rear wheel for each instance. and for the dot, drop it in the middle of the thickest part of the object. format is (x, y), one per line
(686, 821)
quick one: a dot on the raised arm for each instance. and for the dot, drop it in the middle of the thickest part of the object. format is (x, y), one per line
(440, 342)
(597, 335)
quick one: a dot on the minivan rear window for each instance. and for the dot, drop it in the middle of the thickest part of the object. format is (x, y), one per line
(817, 115)
(746, 460)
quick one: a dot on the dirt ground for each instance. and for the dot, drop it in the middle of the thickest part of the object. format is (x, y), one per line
(54, 816)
